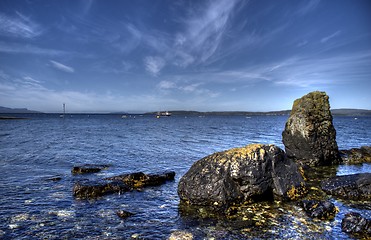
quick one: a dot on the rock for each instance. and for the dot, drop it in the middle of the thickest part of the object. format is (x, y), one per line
(349, 187)
(252, 173)
(88, 168)
(54, 179)
(181, 235)
(119, 184)
(124, 214)
(309, 134)
(320, 209)
(356, 155)
(354, 223)
(140, 179)
(93, 189)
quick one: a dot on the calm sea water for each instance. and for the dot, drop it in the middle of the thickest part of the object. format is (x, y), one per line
(34, 150)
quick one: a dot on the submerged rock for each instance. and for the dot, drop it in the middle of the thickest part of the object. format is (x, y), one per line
(354, 223)
(140, 179)
(252, 173)
(94, 189)
(319, 209)
(356, 155)
(88, 168)
(309, 134)
(181, 235)
(124, 214)
(349, 187)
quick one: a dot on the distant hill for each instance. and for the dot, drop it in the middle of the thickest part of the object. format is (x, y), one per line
(337, 112)
(351, 112)
(224, 113)
(16, 110)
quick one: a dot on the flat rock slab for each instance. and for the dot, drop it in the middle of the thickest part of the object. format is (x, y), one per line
(88, 168)
(356, 155)
(352, 187)
(354, 224)
(94, 189)
(140, 179)
(87, 189)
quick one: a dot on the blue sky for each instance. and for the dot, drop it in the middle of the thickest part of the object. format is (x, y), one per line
(150, 55)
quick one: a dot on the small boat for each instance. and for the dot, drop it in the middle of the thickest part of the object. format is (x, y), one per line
(163, 114)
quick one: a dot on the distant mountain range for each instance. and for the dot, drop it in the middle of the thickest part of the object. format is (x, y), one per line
(16, 110)
(338, 112)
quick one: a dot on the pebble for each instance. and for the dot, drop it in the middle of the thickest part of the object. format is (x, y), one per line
(13, 226)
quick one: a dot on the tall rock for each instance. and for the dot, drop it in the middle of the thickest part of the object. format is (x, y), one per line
(252, 173)
(309, 134)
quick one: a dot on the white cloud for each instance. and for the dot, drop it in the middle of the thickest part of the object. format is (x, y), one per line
(308, 72)
(166, 85)
(205, 29)
(187, 88)
(302, 43)
(29, 49)
(30, 79)
(19, 26)
(62, 67)
(154, 65)
(327, 38)
(308, 7)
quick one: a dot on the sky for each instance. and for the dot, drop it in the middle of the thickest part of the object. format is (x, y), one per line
(152, 55)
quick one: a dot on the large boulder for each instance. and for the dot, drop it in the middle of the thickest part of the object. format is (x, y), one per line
(309, 134)
(252, 173)
(356, 155)
(349, 187)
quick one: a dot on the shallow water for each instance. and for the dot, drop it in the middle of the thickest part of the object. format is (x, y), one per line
(33, 151)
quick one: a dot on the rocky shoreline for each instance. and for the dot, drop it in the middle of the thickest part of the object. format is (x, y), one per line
(233, 180)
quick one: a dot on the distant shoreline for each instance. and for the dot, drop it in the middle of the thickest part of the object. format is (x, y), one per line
(335, 112)
(11, 118)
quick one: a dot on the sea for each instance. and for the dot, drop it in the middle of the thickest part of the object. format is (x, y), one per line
(38, 153)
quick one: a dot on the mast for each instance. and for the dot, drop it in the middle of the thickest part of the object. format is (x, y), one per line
(64, 111)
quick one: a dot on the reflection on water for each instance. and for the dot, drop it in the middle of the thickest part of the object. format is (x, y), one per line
(353, 169)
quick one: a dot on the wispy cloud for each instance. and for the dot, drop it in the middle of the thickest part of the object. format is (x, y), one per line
(164, 85)
(25, 92)
(86, 6)
(7, 47)
(186, 87)
(204, 31)
(154, 64)
(327, 38)
(326, 71)
(18, 26)
(308, 7)
(302, 43)
(61, 67)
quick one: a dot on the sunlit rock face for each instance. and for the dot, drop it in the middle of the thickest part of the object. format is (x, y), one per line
(309, 134)
(248, 174)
